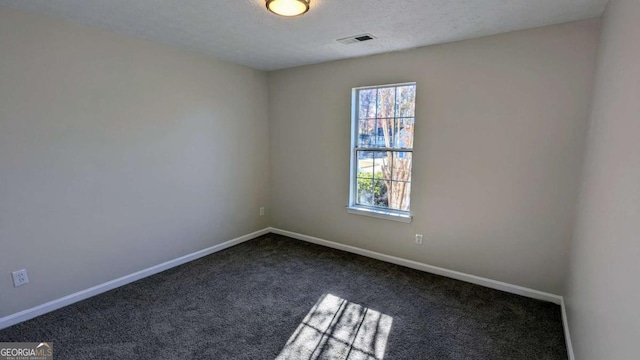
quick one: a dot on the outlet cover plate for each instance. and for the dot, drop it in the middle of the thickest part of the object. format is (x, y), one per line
(20, 278)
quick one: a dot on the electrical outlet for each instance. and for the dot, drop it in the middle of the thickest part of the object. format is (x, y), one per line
(20, 277)
(262, 211)
(418, 239)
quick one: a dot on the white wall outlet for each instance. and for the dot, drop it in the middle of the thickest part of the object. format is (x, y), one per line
(418, 239)
(262, 211)
(20, 277)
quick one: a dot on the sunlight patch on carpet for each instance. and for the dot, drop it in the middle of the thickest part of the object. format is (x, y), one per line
(338, 329)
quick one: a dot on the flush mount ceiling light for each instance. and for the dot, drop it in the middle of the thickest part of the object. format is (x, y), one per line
(288, 7)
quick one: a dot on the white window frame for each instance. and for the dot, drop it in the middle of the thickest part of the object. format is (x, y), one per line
(354, 207)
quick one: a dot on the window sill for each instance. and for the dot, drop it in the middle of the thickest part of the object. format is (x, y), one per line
(380, 214)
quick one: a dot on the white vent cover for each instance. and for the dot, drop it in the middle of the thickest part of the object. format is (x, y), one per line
(356, 39)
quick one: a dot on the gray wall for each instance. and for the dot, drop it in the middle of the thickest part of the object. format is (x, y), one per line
(117, 154)
(500, 129)
(603, 290)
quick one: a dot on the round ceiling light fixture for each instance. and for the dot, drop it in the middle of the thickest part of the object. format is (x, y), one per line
(288, 8)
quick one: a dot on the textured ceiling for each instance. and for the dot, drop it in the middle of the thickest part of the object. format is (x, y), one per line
(243, 32)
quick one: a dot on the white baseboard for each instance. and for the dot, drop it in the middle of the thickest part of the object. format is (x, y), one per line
(567, 335)
(499, 285)
(109, 285)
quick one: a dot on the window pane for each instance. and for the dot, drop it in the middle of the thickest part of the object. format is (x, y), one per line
(366, 133)
(378, 139)
(367, 103)
(406, 101)
(401, 166)
(365, 164)
(382, 165)
(371, 133)
(364, 191)
(404, 132)
(384, 133)
(380, 194)
(400, 195)
(386, 102)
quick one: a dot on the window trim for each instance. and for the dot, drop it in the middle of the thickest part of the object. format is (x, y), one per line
(353, 207)
(379, 213)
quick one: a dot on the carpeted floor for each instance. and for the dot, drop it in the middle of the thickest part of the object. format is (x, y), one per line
(247, 301)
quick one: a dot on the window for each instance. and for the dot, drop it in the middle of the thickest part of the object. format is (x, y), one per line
(382, 151)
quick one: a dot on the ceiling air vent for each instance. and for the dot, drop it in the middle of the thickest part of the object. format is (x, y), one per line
(356, 39)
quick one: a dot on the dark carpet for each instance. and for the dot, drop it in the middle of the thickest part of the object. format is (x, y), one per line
(247, 301)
